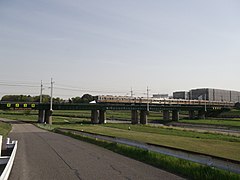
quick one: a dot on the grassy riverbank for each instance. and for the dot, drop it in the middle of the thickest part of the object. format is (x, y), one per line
(177, 166)
(227, 146)
(213, 144)
(234, 122)
(5, 128)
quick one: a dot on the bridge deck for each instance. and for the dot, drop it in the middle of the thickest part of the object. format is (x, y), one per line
(99, 106)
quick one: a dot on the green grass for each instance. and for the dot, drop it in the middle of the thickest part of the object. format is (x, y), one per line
(34, 118)
(207, 143)
(181, 167)
(221, 122)
(5, 128)
(233, 112)
(19, 117)
(111, 114)
(72, 113)
(165, 130)
(215, 147)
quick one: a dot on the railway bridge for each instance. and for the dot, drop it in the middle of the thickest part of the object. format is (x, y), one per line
(139, 112)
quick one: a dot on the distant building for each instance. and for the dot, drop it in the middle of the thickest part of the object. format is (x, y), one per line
(208, 94)
(214, 95)
(180, 95)
(160, 95)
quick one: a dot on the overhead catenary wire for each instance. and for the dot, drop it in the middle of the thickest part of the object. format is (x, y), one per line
(76, 88)
(18, 85)
(86, 90)
(62, 87)
(19, 82)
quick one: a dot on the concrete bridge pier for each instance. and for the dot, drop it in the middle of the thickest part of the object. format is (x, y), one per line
(41, 116)
(166, 115)
(143, 117)
(94, 117)
(48, 116)
(175, 115)
(134, 117)
(201, 114)
(191, 114)
(102, 116)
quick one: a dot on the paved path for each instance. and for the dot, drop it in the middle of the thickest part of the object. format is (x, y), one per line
(45, 155)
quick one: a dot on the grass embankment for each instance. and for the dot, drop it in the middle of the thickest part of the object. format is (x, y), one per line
(157, 117)
(5, 128)
(231, 113)
(213, 144)
(231, 123)
(111, 114)
(207, 143)
(72, 115)
(126, 115)
(228, 119)
(19, 117)
(181, 167)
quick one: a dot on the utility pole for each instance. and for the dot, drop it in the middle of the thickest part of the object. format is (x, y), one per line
(41, 92)
(205, 107)
(51, 101)
(147, 99)
(131, 93)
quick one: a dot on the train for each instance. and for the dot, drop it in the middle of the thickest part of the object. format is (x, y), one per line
(159, 101)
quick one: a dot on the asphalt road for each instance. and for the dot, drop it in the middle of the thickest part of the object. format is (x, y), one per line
(44, 155)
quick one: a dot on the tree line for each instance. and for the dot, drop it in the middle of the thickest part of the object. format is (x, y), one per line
(86, 98)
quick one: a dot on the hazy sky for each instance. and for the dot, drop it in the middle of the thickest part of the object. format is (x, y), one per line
(110, 45)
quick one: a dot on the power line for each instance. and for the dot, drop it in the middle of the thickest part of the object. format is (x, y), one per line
(18, 82)
(17, 85)
(75, 88)
(8, 93)
(65, 88)
(86, 90)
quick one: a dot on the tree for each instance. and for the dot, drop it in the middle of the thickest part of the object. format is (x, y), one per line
(58, 100)
(86, 98)
(237, 105)
(17, 98)
(76, 99)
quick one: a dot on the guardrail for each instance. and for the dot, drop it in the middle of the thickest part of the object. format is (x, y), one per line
(8, 160)
(213, 161)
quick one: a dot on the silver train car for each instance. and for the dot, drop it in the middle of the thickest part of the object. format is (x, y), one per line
(142, 100)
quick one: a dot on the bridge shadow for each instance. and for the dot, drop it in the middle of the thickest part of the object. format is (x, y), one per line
(165, 122)
(76, 122)
(13, 121)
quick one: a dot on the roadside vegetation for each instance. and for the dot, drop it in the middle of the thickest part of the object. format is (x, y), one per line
(5, 128)
(222, 146)
(187, 169)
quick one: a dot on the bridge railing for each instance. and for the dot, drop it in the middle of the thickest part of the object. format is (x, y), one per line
(8, 160)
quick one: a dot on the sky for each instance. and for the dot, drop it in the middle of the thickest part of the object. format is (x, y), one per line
(109, 47)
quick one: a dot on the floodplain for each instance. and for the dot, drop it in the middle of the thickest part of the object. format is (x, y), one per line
(157, 132)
